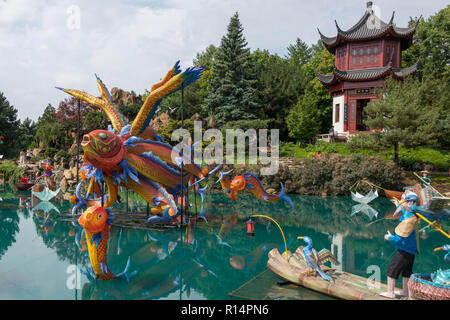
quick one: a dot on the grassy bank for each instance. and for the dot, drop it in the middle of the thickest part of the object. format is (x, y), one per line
(409, 158)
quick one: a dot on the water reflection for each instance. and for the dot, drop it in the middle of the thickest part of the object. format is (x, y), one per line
(209, 260)
(9, 225)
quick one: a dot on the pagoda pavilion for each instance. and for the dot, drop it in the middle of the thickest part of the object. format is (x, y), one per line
(365, 55)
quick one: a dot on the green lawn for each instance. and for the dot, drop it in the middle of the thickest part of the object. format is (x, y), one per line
(407, 156)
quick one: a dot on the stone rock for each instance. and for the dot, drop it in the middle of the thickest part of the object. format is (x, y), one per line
(122, 97)
(36, 152)
(63, 185)
(160, 121)
(71, 183)
(271, 191)
(68, 174)
(73, 149)
(212, 121)
(197, 117)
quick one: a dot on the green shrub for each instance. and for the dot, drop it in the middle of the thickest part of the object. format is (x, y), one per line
(63, 154)
(50, 152)
(37, 159)
(332, 174)
(11, 171)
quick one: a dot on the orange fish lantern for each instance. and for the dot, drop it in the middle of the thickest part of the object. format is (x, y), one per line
(96, 222)
(250, 182)
(132, 155)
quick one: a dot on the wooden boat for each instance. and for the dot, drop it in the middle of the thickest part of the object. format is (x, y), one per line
(23, 186)
(38, 187)
(391, 194)
(423, 288)
(343, 285)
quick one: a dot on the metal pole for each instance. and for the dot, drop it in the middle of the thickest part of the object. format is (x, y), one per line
(76, 272)
(195, 200)
(127, 200)
(78, 142)
(102, 190)
(186, 203)
(78, 138)
(182, 156)
(148, 209)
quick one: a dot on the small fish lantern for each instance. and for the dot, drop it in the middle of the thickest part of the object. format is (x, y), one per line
(250, 228)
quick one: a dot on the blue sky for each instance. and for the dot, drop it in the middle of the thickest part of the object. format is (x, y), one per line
(131, 44)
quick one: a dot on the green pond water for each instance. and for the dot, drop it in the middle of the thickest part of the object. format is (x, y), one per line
(39, 258)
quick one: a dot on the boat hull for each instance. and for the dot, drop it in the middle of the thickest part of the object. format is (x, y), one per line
(391, 194)
(23, 186)
(342, 285)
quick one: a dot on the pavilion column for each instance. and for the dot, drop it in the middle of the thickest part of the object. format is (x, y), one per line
(346, 113)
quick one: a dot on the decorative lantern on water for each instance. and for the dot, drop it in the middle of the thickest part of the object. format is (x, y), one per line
(250, 228)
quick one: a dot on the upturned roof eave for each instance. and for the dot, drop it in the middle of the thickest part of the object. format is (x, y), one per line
(387, 28)
(377, 73)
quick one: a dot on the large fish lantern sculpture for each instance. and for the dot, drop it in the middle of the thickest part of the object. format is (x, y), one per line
(133, 155)
(250, 182)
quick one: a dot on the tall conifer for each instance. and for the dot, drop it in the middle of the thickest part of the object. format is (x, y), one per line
(231, 92)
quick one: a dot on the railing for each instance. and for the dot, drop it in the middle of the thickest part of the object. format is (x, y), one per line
(333, 137)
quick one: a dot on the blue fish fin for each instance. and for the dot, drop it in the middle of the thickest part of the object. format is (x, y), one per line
(284, 196)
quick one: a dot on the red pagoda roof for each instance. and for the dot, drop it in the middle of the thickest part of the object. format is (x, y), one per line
(365, 74)
(370, 26)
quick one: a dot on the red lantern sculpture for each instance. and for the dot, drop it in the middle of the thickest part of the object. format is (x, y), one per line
(250, 228)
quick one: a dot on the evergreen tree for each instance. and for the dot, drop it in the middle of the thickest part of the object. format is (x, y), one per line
(9, 125)
(26, 132)
(299, 53)
(280, 84)
(401, 115)
(231, 91)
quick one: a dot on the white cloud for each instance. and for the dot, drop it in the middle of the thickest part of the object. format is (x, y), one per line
(131, 44)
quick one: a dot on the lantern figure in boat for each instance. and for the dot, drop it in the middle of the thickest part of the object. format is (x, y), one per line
(250, 228)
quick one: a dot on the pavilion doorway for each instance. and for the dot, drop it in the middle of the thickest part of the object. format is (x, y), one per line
(361, 115)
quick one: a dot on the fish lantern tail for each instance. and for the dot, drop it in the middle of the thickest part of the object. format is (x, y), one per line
(201, 214)
(323, 275)
(126, 272)
(283, 196)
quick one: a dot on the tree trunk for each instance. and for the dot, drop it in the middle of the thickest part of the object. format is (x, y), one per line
(396, 152)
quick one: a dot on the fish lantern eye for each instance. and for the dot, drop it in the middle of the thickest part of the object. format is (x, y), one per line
(250, 228)
(99, 216)
(102, 135)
